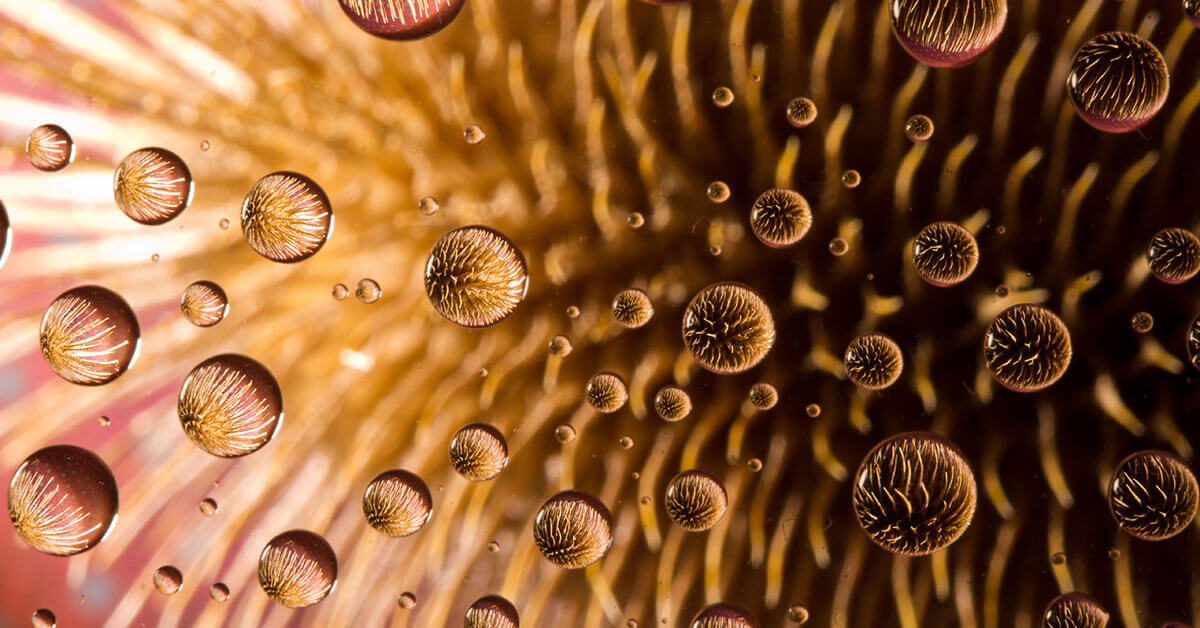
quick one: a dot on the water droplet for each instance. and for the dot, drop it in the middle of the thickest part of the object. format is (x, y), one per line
(798, 613)
(407, 600)
(564, 433)
(1114, 553)
(297, 568)
(493, 547)
(919, 128)
(204, 304)
(695, 500)
(1174, 255)
(491, 611)
(1153, 495)
(104, 421)
(754, 464)
(50, 148)
(1002, 291)
(914, 494)
(340, 292)
(428, 206)
(230, 405)
(606, 392)
(478, 452)
(873, 361)
(208, 506)
(223, 223)
(473, 134)
(722, 97)
(714, 250)
(1074, 610)
(572, 311)
(728, 328)
(401, 19)
(1141, 322)
(368, 291)
(154, 257)
(1118, 81)
(632, 308)
(717, 191)
(851, 179)
(286, 217)
(168, 580)
(812, 410)
(625, 442)
(636, 220)
(560, 346)
(763, 396)
(205, 145)
(945, 34)
(724, 616)
(944, 254)
(62, 500)
(672, 403)
(1058, 558)
(219, 592)
(44, 618)
(801, 112)
(573, 529)
(645, 500)
(839, 246)
(475, 276)
(631, 623)
(780, 217)
(89, 336)
(152, 185)
(1027, 347)
(397, 503)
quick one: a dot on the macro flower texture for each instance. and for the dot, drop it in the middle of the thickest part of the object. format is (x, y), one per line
(589, 313)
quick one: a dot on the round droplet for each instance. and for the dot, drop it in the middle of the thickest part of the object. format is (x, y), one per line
(801, 112)
(631, 623)
(397, 503)
(1001, 291)
(230, 405)
(763, 396)
(1174, 255)
(368, 291)
(914, 494)
(204, 304)
(1074, 610)
(560, 346)
(625, 442)
(696, 500)
(672, 403)
(475, 276)
(428, 206)
(50, 148)
(168, 580)
(839, 246)
(812, 410)
(297, 569)
(573, 529)
(1058, 558)
(728, 328)
(1153, 495)
(1141, 322)
(154, 257)
(340, 291)
(947, 33)
(89, 336)
(1118, 81)
(152, 185)
(636, 220)
(208, 506)
(919, 128)
(714, 250)
(645, 500)
(1191, 10)
(1193, 342)
(104, 421)
(401, 19)
(873, 361)
(219, 592)
(286, 217)
(62, 500)
(717, 191)
(722, 97)
(407, 600)
(606, 392)
(493, 547)
(944, 254)
(491, 611)
(478, 452)
(780, 217)
(44, 618)
(754, 464)
(474, 134)
(205, 145)
(724, 616)
(223, 223)
(572, 311)
(1114, 553)
(798, 613)
(632, 308)
(564, 433)
(1027, 347)
(851, 179)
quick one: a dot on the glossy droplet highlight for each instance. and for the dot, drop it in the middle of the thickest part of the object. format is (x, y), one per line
(44, 618)
(428, 206)
(1027, 348)
(724, 616)
(397, 503)
(839, 247)
(606, 392)
(695, 500)
(168, 579)
(204, 304)
(286, 217)
(401, 19)
(1058, 558)
(1174, 255)
(152, 185)
(873, 361)
(625, 442)
(560, 346)
(672, 403)
(780, 217)
(636, 220)
(208, 506)
(564, 433)
(728, 328)
(1153, 495)
(851, 179)
(798, 613)
(368, 291)
(914, 494)
(801, 112)
(478, 452)
(62, 500)
(1074, 610)
(223, 223)
(340, 292)
(1141, 322)
(947, 33)
(230, 405)
(812, 410)
(722, 97)
(944, 254)
(219, 592)
(754, 464)
(717, 191)
(297, 568)
(632, 308)
(474, 134)
(491, 611)
(50, 148)
(475, 276)
(89, 335)
(763, 396)
(573, 529)
(1118, 82)
(919, 128)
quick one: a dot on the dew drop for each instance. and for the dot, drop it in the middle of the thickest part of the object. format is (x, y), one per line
(340, 292)
(397, 503)
(838, 246)
(780, 217)
(50, 148)
(717, 191)
(606, 392)
(223, 223)
(947, 33)
(645, 500)
(474, 134)
(572, 311)
(208, 506)
(428, 206)
(560, 346)
(154, 257)
(168, 580)
(798, 613)
(1153, 495)
(1174, 255)
(1027, 347)
(695, 500)
(89, 336)
(368, 291)
(104, 421)
(1118, 82)
(722, 97)
(1074, 610)
(407, 600)
(919, 128)
(297, 568)
(851, 179)
(1141, 322)
(1001, 291)
(714, 250)
(44, 618)
(636, 220)
(478, 452)
(493, 547)
(873, 361)
(204, 304)
(152, 185)
(205, 145)
(286, 217)
(1114, 553)
(724, 616)
(1058, 558)
(632, 308)
(801, 112)
(625, 442)
(491, 611)
(401, 19)
(564, 433)
(728, 328)
(763, 396)
(672, 403)
(230, 405)
(754, 464)
(219, 592)
(944, 254)
(573, 529)
(62, 500)
(631, 623)
(475, 276)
